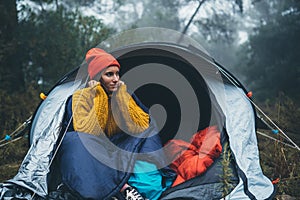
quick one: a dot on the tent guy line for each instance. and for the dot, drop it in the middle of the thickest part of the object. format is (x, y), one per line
(28, 121)
(11, 141)
(267, 136)
(260, 110)
(22, 127)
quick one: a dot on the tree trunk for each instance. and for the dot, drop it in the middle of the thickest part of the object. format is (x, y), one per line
(11, 75)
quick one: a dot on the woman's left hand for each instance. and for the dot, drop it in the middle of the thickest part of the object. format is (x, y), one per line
(92, 83)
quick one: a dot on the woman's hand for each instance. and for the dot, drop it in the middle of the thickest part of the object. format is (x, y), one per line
(93, 83)
(120, 83)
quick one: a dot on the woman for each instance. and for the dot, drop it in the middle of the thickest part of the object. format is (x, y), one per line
(99, 156)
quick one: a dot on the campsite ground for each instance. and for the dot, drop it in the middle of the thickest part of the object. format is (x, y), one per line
(277, 160)
(281, 164)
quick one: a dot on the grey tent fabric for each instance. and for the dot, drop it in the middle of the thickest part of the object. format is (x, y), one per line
(240, 123)
(240, 126)
(239, 119)
(236, 114)
(208, 191)
(33, 172)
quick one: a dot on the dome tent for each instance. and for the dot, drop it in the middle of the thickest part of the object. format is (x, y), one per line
(194, 91)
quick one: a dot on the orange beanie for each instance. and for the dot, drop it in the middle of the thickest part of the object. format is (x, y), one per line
(97, 60)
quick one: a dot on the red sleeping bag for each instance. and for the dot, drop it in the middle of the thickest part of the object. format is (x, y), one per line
(193, 159)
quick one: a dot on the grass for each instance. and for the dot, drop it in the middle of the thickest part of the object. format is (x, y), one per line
(280, 161)
(277, 161)
(11, 156)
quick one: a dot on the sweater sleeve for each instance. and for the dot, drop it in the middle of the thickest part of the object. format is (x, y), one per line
(85, 112)
(134, 119)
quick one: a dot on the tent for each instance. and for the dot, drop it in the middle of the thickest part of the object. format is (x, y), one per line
(186, 90)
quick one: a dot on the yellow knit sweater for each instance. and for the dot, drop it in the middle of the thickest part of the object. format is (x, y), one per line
(95, 113)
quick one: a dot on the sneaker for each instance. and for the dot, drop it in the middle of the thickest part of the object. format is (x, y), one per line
(131, 193)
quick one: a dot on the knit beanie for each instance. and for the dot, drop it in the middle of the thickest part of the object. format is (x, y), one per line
(97, 60)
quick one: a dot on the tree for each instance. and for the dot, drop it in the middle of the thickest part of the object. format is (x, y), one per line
(10, 72)
(216, 26)
(271, 61)
(160, 14)
(44, 45)
(55, 41)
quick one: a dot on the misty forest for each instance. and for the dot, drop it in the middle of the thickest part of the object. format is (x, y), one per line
(257, 41)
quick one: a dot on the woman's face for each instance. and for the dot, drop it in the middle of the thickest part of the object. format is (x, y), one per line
(110, 79)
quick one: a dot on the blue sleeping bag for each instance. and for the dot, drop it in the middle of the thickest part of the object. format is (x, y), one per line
(97, 167)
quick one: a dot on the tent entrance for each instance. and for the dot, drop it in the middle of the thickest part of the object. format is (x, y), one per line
(154, 61)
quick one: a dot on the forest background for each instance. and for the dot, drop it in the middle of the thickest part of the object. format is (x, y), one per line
(258, 41)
